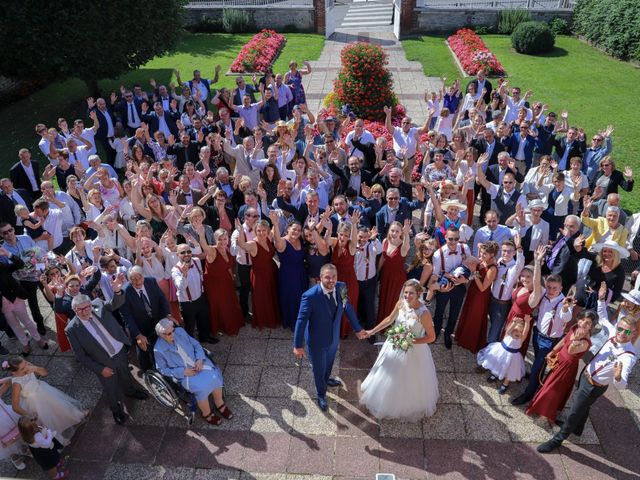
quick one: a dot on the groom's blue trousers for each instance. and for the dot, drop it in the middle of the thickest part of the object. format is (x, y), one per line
(321, 363)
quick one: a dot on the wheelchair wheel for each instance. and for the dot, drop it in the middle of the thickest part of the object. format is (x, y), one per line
(160, 389)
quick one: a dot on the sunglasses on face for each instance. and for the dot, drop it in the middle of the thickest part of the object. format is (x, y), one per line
(626, 331)
(185, 252)
(453, 239)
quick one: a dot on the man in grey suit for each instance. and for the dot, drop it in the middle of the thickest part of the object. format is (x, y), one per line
(99, 343)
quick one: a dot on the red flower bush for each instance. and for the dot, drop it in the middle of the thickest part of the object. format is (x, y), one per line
(259, 53)
(364, 83)
(473, 54)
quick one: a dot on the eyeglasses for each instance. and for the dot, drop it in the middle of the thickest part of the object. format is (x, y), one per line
(507, 182)
(185, 252)
(83, 309)
(251, 216)
(596, 139)
(606, 164)
(169, 333)
(453, 239)
(626, 331)
(393, 198)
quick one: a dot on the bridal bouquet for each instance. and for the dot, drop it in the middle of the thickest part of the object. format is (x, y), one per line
(401, 337)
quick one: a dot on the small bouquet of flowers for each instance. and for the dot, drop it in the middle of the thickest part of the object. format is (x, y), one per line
(401, 337)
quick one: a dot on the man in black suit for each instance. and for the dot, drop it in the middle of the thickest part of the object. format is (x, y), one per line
(130, 112)
(186, 194)
(397, 209)
(352, 175)
(144, 305)
(309, 209)
(26, 174)
(495, 174)
(185, 151)
(569, 146)
(480, 83)
(161, 119)
(106, 121)
(243, 89)
(562, 256)
(99, 344)
(9, 198)
(488, 144)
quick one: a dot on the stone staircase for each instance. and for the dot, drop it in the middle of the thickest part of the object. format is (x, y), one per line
(369, 15)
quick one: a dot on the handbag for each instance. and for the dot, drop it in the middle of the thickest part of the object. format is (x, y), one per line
(12, 435)
(551, 364)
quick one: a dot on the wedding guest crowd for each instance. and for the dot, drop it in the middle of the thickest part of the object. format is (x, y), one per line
(189, 212)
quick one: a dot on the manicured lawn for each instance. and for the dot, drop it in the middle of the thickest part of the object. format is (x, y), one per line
(201, 51)
(595, 89)
(431, 51)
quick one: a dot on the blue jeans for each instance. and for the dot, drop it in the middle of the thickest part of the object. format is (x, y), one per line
(542, 346)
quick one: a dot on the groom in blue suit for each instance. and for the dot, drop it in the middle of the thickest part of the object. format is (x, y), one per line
(318, 326)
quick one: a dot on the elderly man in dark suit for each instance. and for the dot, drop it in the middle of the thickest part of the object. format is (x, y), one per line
(100, 344)
(161, 119)
(26, 174)
(144, 305)
(562, 258)
(481, 83)
(397, 209)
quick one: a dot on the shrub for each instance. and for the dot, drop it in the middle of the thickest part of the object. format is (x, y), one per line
(483, 30)
(237, 21)
(559, 26)
(510, 18)
(364, 83)
(532, 38)
(613, 25)
(206, 25)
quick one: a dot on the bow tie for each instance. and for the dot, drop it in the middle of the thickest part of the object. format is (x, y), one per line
(455, 252)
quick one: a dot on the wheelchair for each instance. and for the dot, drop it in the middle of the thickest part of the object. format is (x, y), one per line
(169, 393)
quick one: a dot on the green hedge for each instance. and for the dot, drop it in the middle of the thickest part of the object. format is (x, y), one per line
(532, 38)
(510, 18)
(613, 25)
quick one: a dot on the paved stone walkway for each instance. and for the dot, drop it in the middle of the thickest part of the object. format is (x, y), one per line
(409, 81)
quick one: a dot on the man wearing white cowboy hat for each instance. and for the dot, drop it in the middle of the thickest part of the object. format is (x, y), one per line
(448, 213)
(604, 228)
(533, 230)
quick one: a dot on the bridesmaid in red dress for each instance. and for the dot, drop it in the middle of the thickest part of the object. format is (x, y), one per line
(552, 396)
(343, 251)
(471, 333)
(264, 276)
(520, 306)
(225, 314)
(392, 273)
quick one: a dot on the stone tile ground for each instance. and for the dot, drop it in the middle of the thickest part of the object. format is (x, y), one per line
(278, 432)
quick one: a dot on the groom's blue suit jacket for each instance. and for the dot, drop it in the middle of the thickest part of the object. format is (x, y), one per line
(316, 323)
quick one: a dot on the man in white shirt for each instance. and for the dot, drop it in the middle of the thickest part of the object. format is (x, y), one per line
(554, 311)
(53, 219)
(71, 215)
(367, 250)
(405, 141)
(87, 133)
(187, 277)
(321, 187)
(612, 364)
(445, 260)
(243, 259)
(365, 137)
(502, 288)
(79, 153)
(492, 231)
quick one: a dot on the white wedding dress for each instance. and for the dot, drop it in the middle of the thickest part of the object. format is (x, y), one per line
(403, 384)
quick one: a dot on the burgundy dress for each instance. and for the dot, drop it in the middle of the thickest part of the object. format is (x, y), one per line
(392, 277)
(225, 314)
(471, 333)
(264, 289)
(345, 263)
(519, 308)
(554, 393)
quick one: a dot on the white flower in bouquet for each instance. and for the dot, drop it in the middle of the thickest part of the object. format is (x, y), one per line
(401, 337)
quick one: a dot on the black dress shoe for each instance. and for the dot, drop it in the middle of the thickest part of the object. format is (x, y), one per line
(211, 340)
(119, 417)
(139, 394)
(520, 399)
(334, 382)
(322, 403)
(549, 446)
(447, 342)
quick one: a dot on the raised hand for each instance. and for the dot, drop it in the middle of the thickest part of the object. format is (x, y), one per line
(628, 172)
(387, 110)
(602, 291)
(91, 102)
(406, 227)
(355, 217)
(541, 253)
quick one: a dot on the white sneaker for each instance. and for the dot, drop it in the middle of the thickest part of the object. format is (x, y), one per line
(18, 463)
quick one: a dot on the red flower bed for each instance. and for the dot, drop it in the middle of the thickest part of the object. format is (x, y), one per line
(259, 53)
(473, 54)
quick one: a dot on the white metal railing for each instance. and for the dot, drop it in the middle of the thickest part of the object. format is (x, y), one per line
(248, 3)
(499, 4)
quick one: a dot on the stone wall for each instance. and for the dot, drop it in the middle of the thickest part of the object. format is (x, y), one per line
(275, 18)
(444, 20)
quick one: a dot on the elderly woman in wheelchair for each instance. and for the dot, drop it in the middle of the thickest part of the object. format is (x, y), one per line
(180, 356)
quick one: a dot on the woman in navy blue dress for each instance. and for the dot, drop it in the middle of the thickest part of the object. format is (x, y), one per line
(292, 277)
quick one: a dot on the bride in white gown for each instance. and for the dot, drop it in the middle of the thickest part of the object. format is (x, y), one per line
(404, 384)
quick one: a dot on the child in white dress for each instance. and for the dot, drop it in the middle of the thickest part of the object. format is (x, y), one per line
(503, 359)
(30, 396)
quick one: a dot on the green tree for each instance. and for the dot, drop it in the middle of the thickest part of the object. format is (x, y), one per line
(59, 39)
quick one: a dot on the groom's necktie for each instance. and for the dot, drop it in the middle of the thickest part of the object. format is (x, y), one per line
(332, 300)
